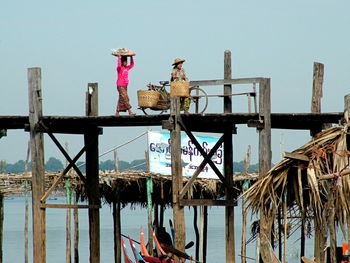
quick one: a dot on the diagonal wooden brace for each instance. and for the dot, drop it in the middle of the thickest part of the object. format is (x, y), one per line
(187, 186)
(63, 151)
(204, 154)
(64, 172)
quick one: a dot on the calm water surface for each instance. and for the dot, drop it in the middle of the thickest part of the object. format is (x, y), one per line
(132, 220)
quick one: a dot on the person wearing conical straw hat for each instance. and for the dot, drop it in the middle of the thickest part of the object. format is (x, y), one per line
(178, 72)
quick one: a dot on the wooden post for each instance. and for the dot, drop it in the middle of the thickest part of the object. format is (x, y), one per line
(317, 93)
(149, 186)
(279, 233)
(203, 231)
(265, 156)
(317, 85)
(76, 231)
(117, 231)
(347, 107)
(68, 224)
(92, 174)
(91, 103)
(302, 235)
(68, 213)
(196, 231)
(244, 207)
(228, 164)
(116, 161)
(26, 209)
(38, 165)
(285, 227)
(1, 225)
(176, 172)
(331, 224)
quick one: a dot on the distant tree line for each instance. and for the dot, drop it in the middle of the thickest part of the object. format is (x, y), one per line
(54, 165)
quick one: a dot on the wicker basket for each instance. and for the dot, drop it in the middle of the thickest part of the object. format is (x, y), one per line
(179, 89)
(147, 98)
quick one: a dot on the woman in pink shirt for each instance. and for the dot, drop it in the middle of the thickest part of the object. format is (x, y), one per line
(122, 84)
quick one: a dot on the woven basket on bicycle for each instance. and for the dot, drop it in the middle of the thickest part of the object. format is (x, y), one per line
(180, 89)
(148, 98)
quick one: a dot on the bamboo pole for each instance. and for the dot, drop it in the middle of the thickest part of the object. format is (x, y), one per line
(68, 223)
(26, 215)
(149, 211)
(285, 227)
(26, 209)
(331, 224)
(76, 231)
(1, 226)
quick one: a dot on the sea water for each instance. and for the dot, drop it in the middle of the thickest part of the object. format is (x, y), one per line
(132, 218)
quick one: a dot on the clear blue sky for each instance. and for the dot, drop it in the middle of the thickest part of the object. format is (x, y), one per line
(71, 42)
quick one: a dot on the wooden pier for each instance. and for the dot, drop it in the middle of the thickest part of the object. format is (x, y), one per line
(91, 127)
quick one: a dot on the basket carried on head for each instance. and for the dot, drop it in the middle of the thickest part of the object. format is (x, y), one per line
(147, 98)
(180, 89)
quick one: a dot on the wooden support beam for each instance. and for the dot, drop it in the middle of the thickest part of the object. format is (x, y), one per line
(92, 174)
(38, 165)
(296, 156)
(65, 206)
(189, 183)
(228, 165)
(205, 202)
(228, 81)
(265, 156)
(76, 230)
(177, 181)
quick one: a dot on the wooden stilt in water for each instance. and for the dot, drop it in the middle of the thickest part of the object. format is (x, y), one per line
(117, 231)
(176, 172)
(149, 183)
(76, 230)
(26, 209)
(68, 224)
(1, 226)
(285, 225)
(244, 207)
(196, 231)
(38, 165)
(264, 158)
(228, 164)
(302, 235)
(92, 173)
(331, 224)
(279, 233)
(203, 231)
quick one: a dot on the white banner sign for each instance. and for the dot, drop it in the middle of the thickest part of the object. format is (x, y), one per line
(160, 154)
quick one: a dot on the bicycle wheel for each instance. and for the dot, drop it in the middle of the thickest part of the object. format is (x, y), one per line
(199, 100)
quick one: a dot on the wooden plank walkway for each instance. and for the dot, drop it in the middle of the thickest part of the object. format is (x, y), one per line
(195, 122)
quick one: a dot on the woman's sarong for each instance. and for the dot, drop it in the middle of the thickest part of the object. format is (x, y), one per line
(123, 101)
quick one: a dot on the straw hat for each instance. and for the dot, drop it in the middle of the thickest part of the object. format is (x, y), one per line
(178, 61)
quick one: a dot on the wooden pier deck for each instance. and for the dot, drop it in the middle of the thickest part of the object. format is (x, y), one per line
(195, 122)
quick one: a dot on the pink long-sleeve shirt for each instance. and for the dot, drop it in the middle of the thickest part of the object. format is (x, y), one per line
(123, 72)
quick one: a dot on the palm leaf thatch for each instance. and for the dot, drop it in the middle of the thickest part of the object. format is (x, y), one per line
(307, 184)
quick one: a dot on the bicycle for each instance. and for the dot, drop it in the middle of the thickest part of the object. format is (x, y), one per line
(197, 102)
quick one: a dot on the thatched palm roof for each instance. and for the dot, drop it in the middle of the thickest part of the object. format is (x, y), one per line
(304, 182)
